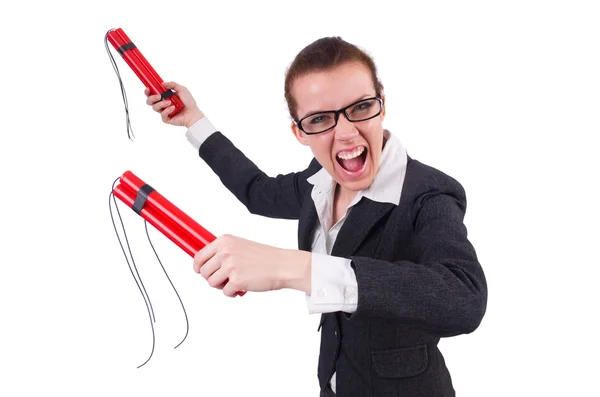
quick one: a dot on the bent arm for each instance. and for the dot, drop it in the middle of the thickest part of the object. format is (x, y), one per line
(444, 290)
(275, 197)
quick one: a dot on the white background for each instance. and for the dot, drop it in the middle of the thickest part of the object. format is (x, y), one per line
(503, 96)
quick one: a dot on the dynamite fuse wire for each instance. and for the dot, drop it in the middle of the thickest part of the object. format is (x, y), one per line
(115, 67)
(141, 288)
(187, 324)
(140, 284)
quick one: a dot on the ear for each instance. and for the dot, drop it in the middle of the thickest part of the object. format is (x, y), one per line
(299, 134)
(382, 115)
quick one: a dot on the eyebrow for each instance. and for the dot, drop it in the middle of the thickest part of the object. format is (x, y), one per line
(330, 110)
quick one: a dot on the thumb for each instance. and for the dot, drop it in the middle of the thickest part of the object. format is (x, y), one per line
(173, 85)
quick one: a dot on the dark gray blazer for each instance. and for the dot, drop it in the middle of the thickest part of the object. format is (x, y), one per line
(418, 275)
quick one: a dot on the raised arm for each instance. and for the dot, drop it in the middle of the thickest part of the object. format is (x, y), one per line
(275, 197)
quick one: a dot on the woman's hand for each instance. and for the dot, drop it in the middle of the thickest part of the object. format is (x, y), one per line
(235, 264)
(186, 117)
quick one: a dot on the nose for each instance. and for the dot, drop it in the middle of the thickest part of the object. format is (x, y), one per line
(345, 130)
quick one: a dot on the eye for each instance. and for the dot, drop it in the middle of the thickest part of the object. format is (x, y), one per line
(319, 119)
(361, 107)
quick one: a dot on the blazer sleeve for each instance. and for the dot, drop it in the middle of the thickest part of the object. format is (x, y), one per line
(274, 197)
(443, 291)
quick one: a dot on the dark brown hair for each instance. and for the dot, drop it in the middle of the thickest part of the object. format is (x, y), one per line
(325, 54)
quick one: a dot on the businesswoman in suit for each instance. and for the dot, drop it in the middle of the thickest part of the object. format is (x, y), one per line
(383, 252)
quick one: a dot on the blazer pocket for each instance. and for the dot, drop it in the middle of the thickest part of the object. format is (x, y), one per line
(400, 363)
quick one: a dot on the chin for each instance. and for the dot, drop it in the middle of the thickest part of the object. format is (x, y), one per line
(355, 186)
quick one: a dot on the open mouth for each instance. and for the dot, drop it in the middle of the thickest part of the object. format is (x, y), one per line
(352, 161)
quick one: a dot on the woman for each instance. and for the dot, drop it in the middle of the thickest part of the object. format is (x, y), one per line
(383, 252)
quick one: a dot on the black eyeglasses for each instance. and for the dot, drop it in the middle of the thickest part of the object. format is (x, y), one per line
(362, 110)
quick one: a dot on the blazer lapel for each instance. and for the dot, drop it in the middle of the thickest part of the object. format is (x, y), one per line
(363, 217)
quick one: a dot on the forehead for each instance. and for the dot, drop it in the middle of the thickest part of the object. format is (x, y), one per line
(332, 89)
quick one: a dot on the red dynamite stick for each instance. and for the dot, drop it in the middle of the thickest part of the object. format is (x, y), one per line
(145, 62)
(153, 217)
(134, 52)
(142, 68)
(125, 47)
(124, 39)
(165, 216)
(170, 211)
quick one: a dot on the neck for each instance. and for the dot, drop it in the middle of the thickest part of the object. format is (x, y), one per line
(343, 195)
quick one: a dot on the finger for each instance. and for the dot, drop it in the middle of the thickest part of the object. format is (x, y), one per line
(162, 105)
(209, 267)
(203, 255)
(165, 113)
(153, 99)
(222, 285)
(173, 85)
(231, 289)
(219, 279)
(147, 91)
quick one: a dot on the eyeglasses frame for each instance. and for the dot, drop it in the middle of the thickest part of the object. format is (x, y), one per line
(336, 114)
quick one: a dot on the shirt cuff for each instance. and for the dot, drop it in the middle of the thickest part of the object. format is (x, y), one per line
(199, 131)
(333, 285)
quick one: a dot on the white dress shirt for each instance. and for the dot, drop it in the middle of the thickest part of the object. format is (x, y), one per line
(333, 282)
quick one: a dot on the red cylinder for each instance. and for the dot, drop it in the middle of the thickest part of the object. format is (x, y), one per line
(183, 240)
(124, 39)
(141, 67)
(169, 210)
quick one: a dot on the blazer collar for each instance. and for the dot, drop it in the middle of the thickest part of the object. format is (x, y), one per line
(385, 186)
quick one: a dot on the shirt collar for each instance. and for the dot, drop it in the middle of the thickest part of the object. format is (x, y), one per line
(387, 184)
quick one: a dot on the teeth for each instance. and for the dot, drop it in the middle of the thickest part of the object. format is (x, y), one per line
(350, 155)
